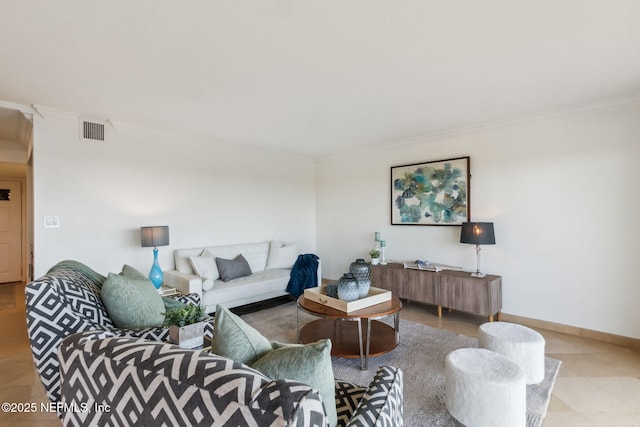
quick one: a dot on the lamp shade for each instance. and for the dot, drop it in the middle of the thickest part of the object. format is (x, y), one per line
(477, 233)
(154, 236)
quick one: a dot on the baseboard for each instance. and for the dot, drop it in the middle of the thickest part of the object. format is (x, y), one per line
(261, 305)
(572, 330)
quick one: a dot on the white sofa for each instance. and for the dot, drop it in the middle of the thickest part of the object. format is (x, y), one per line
(270, 264)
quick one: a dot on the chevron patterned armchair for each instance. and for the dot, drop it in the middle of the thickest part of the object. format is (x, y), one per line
(66, 301)
(115, 381)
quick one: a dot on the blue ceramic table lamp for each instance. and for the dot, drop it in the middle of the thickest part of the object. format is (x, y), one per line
(153, 237)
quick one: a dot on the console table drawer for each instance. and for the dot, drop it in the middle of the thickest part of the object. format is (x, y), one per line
(403, 284)
(480, 296)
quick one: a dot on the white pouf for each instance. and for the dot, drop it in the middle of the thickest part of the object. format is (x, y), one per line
(485, 389)
(519, 343)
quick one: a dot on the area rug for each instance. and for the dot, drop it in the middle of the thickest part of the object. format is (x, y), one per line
(420, 355)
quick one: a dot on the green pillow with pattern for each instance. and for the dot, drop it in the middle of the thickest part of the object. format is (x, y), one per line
(132, 303)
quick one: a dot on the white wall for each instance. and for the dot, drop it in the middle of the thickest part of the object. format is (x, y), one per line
(13, 152)
(562, 192)
(207, 193)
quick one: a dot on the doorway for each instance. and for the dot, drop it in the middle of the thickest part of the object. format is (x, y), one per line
(16, 205)
(11, 231)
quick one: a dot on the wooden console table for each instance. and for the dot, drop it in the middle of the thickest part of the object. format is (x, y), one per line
(452, 289)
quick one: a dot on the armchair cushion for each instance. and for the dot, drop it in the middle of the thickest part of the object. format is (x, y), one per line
(132, 303)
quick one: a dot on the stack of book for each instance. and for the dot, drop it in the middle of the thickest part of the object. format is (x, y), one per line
(430, 266)
(167, 291)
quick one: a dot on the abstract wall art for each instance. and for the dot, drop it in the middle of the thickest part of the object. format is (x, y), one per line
(431, 193)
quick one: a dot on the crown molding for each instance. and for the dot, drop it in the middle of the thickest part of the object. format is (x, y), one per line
(54, 113)
(24, 109)
(606, 104)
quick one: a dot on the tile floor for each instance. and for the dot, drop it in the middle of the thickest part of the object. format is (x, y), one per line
(19, 381)
(598, 384)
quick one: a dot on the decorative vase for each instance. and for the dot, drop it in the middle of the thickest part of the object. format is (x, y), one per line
(362, 272)
(348, 288)
(375, 261)
(332, 290)
(155, 275)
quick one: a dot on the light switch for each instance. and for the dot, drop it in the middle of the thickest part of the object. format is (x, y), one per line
(51, 221)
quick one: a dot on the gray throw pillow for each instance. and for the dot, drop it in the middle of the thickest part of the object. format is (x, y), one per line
(230, 269)
(132, 303)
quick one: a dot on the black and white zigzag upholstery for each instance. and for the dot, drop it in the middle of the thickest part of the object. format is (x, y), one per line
(147, 383)
(154, 384)
(382, 403)
(67, 301)
(348, 396)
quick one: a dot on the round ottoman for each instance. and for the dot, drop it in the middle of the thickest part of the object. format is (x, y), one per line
(485, 389)
(519, 343)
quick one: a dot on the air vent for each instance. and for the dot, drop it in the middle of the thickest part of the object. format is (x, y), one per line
(91, 131)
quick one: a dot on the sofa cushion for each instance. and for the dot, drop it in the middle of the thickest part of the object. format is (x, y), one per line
(311, 364)
(245, 290)
(282, 256)
(132, 303)
(230, 269)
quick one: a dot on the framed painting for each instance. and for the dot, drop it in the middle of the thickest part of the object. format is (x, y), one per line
(431, 193)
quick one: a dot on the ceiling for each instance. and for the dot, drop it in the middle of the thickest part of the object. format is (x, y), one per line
(317, 78)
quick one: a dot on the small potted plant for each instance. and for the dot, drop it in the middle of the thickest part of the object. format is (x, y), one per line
(374, 254)
(186, 326)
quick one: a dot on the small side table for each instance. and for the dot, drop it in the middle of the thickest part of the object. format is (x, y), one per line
(348, 336)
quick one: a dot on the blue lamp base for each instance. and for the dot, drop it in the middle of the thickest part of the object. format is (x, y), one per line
(155, 275)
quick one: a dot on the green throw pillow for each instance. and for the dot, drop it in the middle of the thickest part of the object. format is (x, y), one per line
(234, 339)
(132, 303)
(172, 304)
(310, 364)
(132, 273)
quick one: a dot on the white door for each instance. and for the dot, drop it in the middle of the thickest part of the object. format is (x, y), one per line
(10, 231)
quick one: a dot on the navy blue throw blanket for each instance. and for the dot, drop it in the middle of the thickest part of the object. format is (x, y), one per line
(304, 274)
